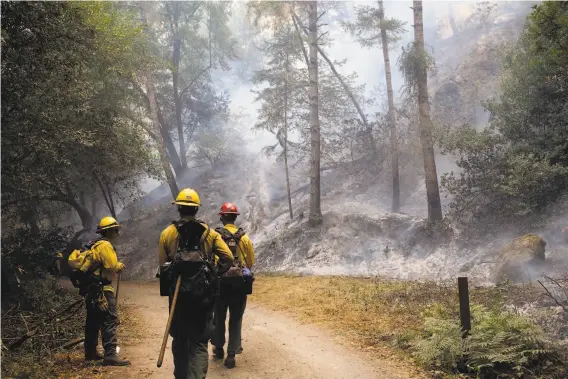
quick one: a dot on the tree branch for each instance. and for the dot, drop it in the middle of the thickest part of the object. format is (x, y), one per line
(304, 52)
(192, 81)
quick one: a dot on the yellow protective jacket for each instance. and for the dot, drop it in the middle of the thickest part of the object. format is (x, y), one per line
(245, 250)
(103, 261)
(213, 243)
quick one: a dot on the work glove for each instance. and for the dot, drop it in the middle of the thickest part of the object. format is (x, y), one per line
(102, 302)
(120, 267)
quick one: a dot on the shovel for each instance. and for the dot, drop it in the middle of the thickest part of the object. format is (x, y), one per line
(169, 324)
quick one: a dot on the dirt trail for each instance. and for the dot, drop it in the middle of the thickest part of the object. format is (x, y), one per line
(274, 345)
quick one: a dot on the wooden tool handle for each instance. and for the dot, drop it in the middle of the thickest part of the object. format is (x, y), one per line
(172, 309)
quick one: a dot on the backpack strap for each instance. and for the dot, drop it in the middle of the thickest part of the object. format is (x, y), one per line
(179, 224)
(202, 242)
(227, 235)
(90, 245)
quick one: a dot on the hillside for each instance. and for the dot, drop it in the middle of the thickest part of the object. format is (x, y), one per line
(359, 236)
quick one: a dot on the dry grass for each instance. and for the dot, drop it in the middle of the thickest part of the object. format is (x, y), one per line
(372, 313)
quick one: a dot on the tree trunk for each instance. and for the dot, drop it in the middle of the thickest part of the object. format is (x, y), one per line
(315, 217)
(351, 96)
(432, 190)
(286, 140)
(392, 113)
(452, 20)
(177, 100)
(346, 88)
(112, 207)
(107, 195)
(172, 154)
(29, 217)
(84, 214)
(161, 147)
(94, 207)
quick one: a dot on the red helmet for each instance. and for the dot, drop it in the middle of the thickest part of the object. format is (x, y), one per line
(229, 208)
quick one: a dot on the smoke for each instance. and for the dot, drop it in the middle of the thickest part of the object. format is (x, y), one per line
(359, 236)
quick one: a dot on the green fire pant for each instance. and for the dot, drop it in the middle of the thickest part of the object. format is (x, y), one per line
(190, 333)
(236, 305)
(104, 321)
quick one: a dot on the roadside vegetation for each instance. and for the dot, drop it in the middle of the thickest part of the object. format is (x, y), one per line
(420, 320)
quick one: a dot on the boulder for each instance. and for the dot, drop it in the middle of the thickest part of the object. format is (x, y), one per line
(519, 260)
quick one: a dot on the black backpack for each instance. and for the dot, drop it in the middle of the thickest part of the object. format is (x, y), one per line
(198, 274)
(233, 281)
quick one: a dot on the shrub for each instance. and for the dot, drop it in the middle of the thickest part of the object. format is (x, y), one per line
(34, 253)
(500, 344)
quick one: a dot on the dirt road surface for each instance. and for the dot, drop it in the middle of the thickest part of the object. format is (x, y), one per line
(275, 346)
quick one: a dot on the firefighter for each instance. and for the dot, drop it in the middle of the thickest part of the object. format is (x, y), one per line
(102, 313)
(235, 285)
(192, 324)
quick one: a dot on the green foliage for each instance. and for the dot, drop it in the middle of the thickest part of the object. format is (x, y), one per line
(367, 27)
(412, 65)
(518, 166)
(500, 344)
(64, 104)
(284, 80)
(34, 253)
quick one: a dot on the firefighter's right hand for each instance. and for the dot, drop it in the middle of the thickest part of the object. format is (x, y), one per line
(120, 267)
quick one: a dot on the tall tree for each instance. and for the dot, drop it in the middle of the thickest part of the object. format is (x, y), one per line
(431, 176)
(371, 29)
(153, 108)
(192, 53)
(54, 58)
(514, 170)
(282, 101)
(315, 216)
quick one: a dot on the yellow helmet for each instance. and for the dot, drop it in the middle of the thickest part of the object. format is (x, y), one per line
(187, 197)
(107, 223)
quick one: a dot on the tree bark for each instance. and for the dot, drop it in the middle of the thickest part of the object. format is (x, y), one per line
(392, 113)
(172, 154)
(94, 207)
(175, 79)
(286, 139)
(171, 148)
(348, 92)
(351, 96)
(84, 214)
(431, 177)
(315, 217)
(29, 217)
(170, 178)
(107, 195)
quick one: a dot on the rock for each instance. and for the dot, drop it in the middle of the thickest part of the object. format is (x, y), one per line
(529, 246)
(520, 258)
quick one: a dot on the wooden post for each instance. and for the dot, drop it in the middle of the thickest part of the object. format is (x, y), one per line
(465, 316)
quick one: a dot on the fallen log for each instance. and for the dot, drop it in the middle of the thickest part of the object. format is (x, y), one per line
(71, 343)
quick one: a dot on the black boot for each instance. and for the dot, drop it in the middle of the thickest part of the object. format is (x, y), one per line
(219, 352)
(230, 361)
(114, 360)
(93, 356)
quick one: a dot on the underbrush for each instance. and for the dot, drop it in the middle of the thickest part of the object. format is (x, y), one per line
(37, 323)
(420, 320)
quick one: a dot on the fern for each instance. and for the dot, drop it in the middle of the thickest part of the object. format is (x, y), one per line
(500, 344)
